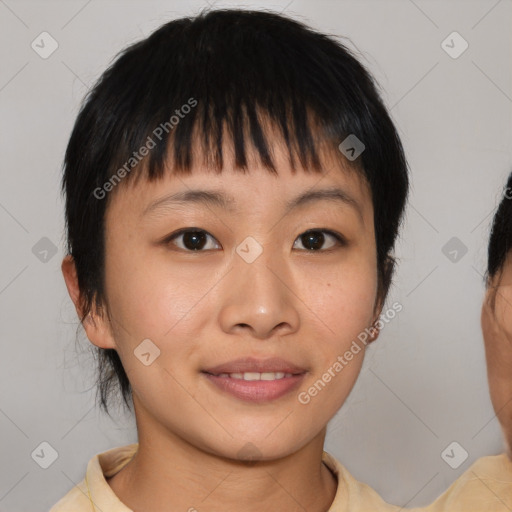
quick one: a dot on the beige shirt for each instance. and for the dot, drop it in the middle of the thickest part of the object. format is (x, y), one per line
(485, 487)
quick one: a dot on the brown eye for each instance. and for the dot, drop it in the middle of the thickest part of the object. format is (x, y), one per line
(314, 240)
(192, 240)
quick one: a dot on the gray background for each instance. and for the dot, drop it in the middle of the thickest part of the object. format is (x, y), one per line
(423, 384)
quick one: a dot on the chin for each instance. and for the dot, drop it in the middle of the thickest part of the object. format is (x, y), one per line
(251, 448)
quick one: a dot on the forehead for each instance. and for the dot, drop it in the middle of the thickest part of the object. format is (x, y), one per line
(254, 190)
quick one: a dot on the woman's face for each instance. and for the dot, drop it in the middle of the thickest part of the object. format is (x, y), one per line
(497, 331)
(224, 312)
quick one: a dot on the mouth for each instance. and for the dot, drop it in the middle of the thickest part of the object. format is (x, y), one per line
(256, 380)
(252, 376)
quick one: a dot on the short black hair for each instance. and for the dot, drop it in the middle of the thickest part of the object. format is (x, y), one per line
(245, 71)
(500, 240)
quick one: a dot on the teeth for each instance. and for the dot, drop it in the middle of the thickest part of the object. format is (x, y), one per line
(256, 375)
(252, 376)
(271, 376)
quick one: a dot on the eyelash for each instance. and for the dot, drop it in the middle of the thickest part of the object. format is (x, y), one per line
(340, 240)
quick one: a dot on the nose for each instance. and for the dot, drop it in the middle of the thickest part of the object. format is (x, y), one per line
(257, 298)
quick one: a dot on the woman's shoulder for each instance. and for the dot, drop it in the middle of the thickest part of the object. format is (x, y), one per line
(75, 500)
(94, 488)
(486, 486)
(352, 494)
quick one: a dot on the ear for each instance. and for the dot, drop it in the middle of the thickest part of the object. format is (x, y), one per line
(96, 323)
(374, 330)
(383, 284)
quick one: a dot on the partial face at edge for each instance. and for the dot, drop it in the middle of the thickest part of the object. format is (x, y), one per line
(497, 332)
(303, 300)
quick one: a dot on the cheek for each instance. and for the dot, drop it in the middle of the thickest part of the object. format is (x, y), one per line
(350, 308)
(503, 309)
(343, 300)
(342, 306)
(149, 296)
(151, 299)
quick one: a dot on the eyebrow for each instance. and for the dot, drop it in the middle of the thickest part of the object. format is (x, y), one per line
(207, 197)
(332, 194)
(221, 200)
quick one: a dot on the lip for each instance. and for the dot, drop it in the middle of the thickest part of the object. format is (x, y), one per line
(252, 364)
(256, 391)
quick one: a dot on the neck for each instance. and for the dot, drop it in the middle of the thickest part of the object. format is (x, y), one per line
(168, 474)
